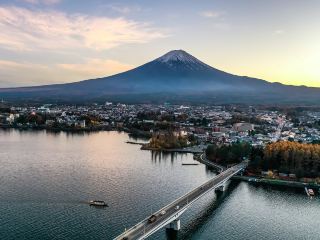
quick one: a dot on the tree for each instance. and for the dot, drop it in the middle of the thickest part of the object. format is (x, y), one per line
(299, 173)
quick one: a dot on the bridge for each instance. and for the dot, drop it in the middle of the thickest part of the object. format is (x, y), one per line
(205, 161)
(169, 215)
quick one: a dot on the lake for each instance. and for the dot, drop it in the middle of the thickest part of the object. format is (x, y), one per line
(48, 178)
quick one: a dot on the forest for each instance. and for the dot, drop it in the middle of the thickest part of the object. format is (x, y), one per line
(228, 154)
(167, 140)
(300, 159)
(288, 157)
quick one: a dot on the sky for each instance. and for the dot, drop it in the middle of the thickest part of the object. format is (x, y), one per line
(57, 41)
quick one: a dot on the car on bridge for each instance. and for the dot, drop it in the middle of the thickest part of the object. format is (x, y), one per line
(152, 218)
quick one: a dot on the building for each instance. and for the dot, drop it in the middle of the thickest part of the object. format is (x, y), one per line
(243, 127)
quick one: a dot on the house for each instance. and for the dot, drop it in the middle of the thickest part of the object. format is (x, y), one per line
(243, 127)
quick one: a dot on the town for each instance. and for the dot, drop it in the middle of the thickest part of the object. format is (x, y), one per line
(202, 124)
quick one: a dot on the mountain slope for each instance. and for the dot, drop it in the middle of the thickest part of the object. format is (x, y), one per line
(175, 76)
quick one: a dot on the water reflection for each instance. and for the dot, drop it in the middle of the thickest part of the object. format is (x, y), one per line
(208, 210)
(158, 156)
(138, 139)
(206, 213)
(171, 234)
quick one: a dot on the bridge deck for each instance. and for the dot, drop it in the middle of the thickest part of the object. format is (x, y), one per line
(176, 208)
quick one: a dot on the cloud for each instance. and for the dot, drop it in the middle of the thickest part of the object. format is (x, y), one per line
(217, 17)
(124, 9)
(211, 14)
(23, 29)
(13, 73)
(5, 64)
(46, 2)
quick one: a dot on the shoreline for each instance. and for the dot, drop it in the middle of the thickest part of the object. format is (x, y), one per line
(276, 182)
(40, 128)
(177, 150)
(257, 180)
(134, 133)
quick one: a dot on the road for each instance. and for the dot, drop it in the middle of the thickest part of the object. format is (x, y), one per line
(204, 160)
(277, 134)
(175, 208)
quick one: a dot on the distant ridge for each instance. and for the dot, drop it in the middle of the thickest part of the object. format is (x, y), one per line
(176, 76)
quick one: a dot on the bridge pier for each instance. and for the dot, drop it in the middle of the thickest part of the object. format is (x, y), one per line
(175, 225)
(221, 188)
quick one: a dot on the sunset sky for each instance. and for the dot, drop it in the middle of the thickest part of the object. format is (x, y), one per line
(57, 41)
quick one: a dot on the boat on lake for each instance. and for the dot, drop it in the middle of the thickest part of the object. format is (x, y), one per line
(311, 192)
(98, 203)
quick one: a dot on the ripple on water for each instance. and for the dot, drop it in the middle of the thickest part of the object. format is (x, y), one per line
(46, 179)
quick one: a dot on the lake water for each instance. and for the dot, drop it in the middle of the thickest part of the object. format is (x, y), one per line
(47, 178)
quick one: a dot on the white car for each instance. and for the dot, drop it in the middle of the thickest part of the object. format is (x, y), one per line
(177, 207)
(163, 212)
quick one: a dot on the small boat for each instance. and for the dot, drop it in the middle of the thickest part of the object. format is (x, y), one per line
(311, 192)
(98, 203)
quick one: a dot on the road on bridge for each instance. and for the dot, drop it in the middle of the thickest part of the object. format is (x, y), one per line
(164, 215)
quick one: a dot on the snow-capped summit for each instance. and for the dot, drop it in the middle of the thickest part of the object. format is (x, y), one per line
(175, 57)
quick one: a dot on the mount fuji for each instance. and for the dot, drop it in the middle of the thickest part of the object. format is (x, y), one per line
(175, 77)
